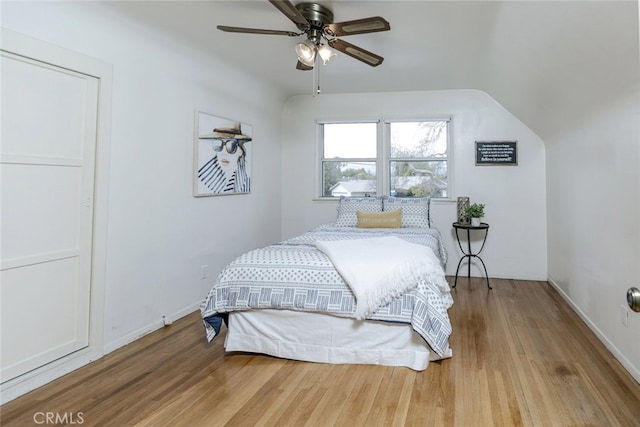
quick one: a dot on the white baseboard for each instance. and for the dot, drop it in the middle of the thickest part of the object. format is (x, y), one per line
(154, 326)
(32, 380)
(633, 370)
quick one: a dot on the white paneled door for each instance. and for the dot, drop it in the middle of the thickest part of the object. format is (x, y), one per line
(46, 205)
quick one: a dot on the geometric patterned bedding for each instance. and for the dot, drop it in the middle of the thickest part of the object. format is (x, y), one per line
(295, 275)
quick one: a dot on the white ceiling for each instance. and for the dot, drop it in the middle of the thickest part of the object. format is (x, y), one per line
(529, 55)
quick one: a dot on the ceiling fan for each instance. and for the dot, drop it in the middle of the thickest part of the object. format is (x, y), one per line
(316, 22)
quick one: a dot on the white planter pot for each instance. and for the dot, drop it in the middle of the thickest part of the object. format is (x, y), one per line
(475, 222)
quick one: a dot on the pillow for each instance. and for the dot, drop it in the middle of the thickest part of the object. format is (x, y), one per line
(391, 219)
(349, 205)
(415, 211)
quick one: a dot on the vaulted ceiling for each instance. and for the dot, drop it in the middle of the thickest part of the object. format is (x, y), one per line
(540, 59)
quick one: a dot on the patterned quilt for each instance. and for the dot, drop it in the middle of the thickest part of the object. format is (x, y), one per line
(294, 275)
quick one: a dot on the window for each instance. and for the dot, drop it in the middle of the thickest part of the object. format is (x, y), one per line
(418, 159)
(349, 159)
(412, 157)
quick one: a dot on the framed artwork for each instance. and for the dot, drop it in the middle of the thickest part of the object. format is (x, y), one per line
(492, 153)
(222, 156)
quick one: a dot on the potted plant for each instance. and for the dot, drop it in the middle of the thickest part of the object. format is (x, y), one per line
(475, 211)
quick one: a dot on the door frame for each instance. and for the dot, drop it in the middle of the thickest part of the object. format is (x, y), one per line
(38, 50)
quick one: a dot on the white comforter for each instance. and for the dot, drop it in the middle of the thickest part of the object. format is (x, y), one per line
(381, 269)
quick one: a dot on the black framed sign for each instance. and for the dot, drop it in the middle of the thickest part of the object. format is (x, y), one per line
(492, 153)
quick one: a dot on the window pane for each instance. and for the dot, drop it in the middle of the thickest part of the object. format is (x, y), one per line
(350, 140)
(419, 139)
(418, 179)
(348, 179)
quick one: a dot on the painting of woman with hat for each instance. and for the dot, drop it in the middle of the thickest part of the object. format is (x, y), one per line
(223, 160)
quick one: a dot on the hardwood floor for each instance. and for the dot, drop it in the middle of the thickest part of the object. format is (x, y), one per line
(521, 356)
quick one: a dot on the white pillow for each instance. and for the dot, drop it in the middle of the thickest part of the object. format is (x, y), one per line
(349, 205)
(415, 211)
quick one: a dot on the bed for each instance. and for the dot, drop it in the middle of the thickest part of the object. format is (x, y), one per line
(305, 299)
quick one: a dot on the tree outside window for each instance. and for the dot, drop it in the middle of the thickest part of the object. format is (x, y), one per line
(418, 161)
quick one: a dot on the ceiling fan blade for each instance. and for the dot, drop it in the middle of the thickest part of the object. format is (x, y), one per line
(303, 67)
(356, 52)
(290, 11)
(256, 31)
(358, 26)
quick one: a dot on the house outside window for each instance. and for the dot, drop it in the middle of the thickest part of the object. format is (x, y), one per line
(402, 158)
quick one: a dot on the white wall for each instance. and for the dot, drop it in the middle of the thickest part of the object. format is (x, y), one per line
(593, 194)
(593, 174)
(515, 196)
(158, 234)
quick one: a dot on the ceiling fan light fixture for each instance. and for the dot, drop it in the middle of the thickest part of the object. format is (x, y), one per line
(326, 54)
(306, 52)
(316, 22)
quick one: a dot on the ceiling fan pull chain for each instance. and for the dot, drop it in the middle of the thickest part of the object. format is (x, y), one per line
(316, 77)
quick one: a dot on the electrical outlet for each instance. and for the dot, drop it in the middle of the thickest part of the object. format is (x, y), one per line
(624, 315)
(204, 272)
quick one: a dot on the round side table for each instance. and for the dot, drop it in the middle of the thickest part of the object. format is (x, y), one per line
(468, 254)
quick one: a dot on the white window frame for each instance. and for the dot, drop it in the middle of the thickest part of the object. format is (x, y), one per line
(321, 158)
(383, 148)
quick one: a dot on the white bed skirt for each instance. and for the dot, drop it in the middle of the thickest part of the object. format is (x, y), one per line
(317, 337)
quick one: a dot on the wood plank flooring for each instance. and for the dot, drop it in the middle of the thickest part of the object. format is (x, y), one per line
(521, 357)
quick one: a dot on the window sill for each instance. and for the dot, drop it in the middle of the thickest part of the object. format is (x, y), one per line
(325, 199)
